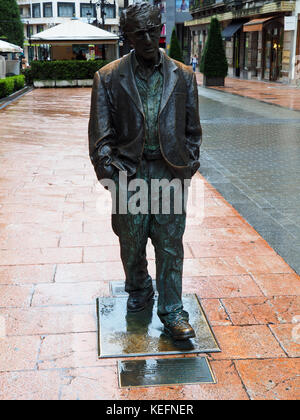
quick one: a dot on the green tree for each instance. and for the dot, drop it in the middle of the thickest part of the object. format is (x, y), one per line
(11, 26)
(213, 61)
(175, 50)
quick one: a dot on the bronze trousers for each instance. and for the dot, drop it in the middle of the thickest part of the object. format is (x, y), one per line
(165, 231)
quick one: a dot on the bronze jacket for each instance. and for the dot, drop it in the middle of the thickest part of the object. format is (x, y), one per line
(117, 118)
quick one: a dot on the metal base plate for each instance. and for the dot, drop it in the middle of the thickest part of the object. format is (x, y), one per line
(122, 334)
(159, 372)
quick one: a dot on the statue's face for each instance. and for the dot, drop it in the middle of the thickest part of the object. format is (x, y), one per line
(144, 33)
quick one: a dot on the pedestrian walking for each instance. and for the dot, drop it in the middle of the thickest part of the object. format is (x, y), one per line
(194, 62)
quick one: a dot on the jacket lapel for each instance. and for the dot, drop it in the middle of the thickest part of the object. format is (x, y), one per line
(170, 80)
(127, 81)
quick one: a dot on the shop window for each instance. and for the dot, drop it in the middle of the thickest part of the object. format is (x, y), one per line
(246, 51)
(273, 47)
(66, 9)
(36, 10)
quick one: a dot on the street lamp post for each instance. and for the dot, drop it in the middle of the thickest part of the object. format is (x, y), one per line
(101, 4)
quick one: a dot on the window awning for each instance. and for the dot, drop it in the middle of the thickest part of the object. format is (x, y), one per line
(256, 25)
(231, 29)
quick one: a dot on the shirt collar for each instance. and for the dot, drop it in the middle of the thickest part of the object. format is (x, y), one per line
(136, 64)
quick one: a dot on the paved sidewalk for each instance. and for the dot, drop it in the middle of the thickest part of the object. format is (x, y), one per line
(58, 254)
(274, 93)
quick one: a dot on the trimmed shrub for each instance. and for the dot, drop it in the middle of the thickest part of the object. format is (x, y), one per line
(65, 69)
(213, 61)
(11, 85)
(19, 82)
(175, 50)
(27, 73)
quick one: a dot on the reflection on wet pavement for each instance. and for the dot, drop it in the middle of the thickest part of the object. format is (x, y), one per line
(132, 334)
(250, 154)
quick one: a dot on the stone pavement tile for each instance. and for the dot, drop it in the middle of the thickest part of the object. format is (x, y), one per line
(43, 229)
(195, 234)
(18, 353)
(248, 342)
(17, 296)
(27, 274)
(84, 216)
(70, 351)
(112, 253)
(213, 222)
(278, 284)
(242, 234)
(212, 267)
(228, 386)
(43, 204)
(69, 294)
(40, 256)
(31, 385)
(229, 248)
(103, 226)
(215, 312)
(264, 264)
(221, 286)
(94, 254)
(72, 273)
(262, 310)
(273, 379)
(288, 336)
(50, 320)
(20, 241)
(283, 95)
(213, 208)
(41, 217)
(88, 239)
(98, 383)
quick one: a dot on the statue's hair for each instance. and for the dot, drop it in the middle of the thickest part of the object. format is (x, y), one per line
(136, 9)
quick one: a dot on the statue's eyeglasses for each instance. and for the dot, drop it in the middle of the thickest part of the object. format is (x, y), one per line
(153, 32)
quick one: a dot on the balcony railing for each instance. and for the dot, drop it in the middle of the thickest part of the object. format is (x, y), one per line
(203, 4)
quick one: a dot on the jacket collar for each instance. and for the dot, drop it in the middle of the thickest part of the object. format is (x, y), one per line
(127, 80)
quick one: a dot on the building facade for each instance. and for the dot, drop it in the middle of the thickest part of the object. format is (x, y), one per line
(39, 15)
(174, 14)
(260, 37)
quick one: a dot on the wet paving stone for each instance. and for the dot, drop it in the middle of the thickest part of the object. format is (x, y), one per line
(57, 253)
(250, 154)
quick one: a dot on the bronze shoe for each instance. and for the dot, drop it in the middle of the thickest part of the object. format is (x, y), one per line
(179, 329)
(139, 299)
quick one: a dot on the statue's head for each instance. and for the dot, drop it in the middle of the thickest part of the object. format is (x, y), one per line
(141, 24)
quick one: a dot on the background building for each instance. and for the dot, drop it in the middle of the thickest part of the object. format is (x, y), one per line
(175, 13)
(260, 36)
(38, 16)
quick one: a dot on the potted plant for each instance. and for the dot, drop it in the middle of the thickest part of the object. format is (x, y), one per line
(175, 50)
(214, 64)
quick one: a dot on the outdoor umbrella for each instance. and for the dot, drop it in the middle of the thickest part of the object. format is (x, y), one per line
(9, 48)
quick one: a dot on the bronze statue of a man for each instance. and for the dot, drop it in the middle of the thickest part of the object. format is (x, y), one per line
(145, 121)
